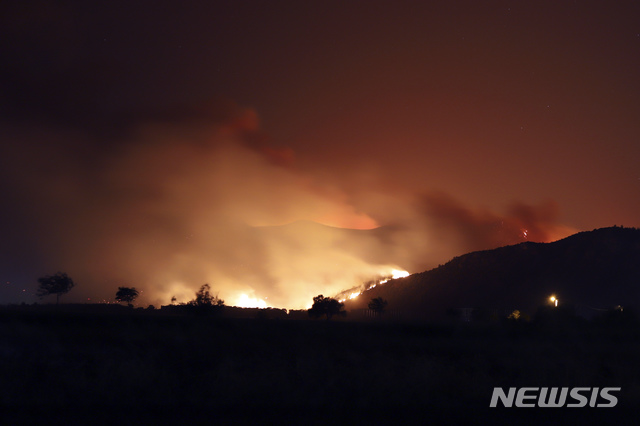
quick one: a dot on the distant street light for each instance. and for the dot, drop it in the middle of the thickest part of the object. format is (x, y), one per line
(554, 301)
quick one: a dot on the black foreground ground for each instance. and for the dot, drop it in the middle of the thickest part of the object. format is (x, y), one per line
(145, 368)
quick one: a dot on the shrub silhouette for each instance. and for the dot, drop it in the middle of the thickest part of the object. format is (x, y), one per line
(326, 306)
(57, 284)
(205, 302)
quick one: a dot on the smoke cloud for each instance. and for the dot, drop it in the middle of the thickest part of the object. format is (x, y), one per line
(173, 204)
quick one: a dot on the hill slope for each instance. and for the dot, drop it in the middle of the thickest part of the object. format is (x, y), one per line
(591, 270)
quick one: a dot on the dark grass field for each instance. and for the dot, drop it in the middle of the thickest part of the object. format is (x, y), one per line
(147, 368)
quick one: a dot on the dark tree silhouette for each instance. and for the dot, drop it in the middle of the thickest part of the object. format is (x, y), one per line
(57, 284)
(326, 306)
(205, 302)
(126, 294)
(378, 305)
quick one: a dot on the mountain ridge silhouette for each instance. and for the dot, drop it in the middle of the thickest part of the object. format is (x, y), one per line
(591, 270)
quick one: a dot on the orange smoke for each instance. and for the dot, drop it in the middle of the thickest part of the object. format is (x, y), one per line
(179, 203)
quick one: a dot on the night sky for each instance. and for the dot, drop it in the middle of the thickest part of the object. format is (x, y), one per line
(158, 144)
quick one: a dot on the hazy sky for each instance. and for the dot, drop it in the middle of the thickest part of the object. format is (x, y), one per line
(143, 142)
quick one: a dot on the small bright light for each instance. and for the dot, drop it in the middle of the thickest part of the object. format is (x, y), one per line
(554, 300)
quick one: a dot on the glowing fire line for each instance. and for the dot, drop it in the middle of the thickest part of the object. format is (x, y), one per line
(395, 274)
(244, 301)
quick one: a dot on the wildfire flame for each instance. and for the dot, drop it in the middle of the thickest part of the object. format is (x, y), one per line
(399, 274)
(244, 301)
(395, 274)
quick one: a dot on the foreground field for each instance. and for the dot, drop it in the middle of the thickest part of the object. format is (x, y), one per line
(143, 368)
